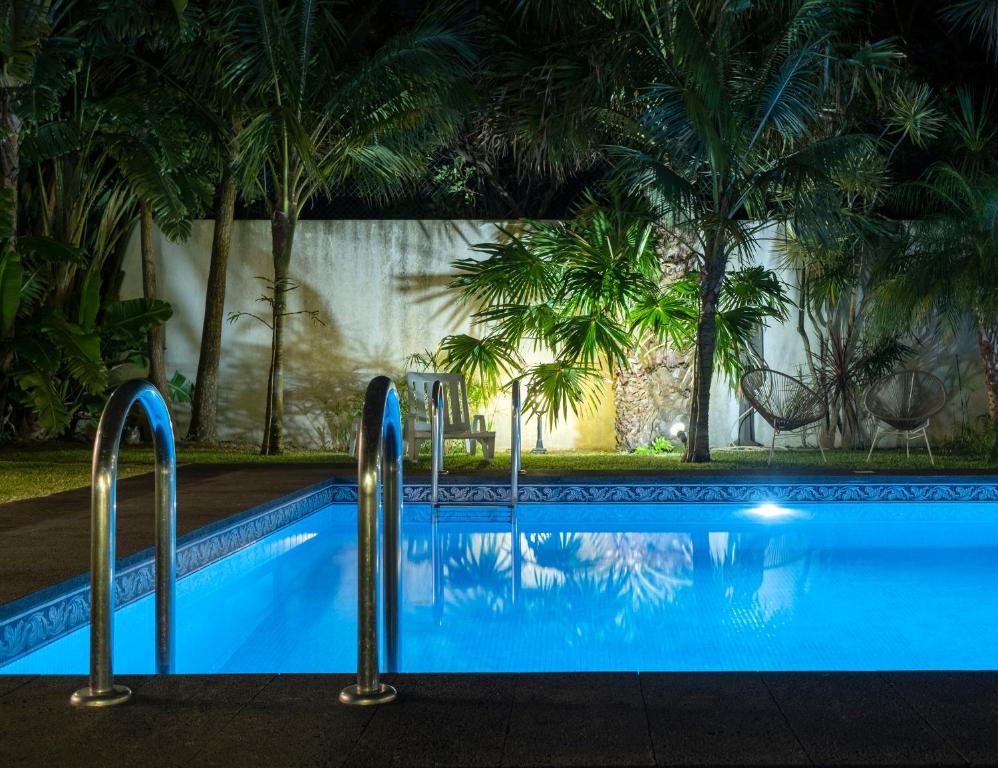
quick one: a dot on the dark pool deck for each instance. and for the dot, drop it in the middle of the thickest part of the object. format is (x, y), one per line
(512, 720)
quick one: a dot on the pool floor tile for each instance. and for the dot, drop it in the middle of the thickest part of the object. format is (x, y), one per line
(579, 720)
(717, 719)
(848, 718)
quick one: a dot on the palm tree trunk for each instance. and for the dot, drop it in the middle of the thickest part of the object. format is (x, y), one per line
(204, 407)
(10, 146)
(157, 334)
(698, 431)
(987, 339)
(282, 229)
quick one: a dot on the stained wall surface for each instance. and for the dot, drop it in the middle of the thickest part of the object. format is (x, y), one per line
(379, 290)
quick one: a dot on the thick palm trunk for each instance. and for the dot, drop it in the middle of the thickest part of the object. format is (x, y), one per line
(204, 407)
(156, 340)
(698, 430)
(10, 146)
(987, 339)
(282, 228)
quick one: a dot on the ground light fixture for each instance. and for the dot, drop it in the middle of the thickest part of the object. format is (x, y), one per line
(678, 429)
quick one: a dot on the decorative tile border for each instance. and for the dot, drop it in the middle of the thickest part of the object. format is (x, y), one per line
(805, 492)
(44, 616)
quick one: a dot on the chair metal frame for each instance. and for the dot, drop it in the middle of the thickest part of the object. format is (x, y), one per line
(805, 403)
(913, 426)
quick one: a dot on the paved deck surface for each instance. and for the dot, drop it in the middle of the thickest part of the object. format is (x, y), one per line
(512, 720)
(47, 540)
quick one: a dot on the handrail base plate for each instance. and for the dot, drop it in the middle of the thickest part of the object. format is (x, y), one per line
(87, 697)
(353, 695)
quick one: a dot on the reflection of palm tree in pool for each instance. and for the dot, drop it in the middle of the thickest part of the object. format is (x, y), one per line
(596, 584)
(477, 570)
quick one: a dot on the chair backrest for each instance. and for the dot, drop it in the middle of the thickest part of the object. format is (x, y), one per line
(906, 396)
(780, 397)
(457, 417)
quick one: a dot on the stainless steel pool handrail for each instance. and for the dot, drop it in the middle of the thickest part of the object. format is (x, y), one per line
(514, 448)
(437, 443)
(102, 691)
(436, 440)
(379, 474)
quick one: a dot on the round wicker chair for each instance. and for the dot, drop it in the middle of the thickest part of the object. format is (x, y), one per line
(786, 403)
(903, 403)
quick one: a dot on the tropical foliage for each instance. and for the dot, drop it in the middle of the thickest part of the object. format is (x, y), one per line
(679, 134)
(586, 293)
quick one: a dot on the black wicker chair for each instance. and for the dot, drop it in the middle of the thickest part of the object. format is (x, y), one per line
(786, 403)
(903, 403)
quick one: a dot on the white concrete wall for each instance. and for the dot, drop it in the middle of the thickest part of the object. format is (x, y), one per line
(380, 289)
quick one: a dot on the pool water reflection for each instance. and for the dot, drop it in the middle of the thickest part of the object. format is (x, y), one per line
(778, 593)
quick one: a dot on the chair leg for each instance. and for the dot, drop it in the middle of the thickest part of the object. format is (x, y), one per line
(925, 434)
(876, 436)
(772, 447)
(488, 449)
(907, 445)
(471, 447)
(411, 447)
(821, 448)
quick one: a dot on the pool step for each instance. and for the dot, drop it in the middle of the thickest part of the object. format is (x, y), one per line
(474, 513)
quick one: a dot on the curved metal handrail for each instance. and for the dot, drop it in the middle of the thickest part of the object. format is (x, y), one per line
(102, 690)
(514, 448)
(379, 468)
(436, 440)
(437, 443)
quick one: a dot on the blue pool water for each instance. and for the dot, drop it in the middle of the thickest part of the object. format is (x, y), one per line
(633, 587)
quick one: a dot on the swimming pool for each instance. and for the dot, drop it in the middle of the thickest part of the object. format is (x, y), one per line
(599, 586)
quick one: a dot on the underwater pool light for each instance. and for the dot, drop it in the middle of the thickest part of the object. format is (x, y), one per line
(768, 511)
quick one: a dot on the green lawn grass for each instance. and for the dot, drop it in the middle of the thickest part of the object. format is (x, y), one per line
(27, 471)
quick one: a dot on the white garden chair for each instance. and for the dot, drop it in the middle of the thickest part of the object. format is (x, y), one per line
(458, 424)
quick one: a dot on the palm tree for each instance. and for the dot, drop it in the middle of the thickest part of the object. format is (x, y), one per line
(731, 127)
(721, 114)
(325, 109)
(202, 65)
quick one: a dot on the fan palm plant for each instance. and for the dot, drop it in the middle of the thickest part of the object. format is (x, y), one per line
(588, 292)
(325, 109)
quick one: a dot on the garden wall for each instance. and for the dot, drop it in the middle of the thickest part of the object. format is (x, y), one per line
(379, 288)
